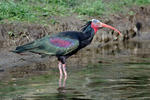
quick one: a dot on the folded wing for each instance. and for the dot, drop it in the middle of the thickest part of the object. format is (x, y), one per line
(55, 45)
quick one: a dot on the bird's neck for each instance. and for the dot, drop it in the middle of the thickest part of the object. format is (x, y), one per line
(89, 31)
(87, 36)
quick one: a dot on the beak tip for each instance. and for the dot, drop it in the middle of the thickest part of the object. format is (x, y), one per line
(108, 26)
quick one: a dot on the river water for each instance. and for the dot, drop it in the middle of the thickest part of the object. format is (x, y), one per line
(112, 72)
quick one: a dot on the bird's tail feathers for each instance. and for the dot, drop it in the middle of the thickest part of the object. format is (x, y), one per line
(24, 48)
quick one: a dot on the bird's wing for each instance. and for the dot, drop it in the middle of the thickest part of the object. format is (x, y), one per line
(56, 45)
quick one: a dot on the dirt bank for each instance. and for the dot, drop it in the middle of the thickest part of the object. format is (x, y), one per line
(133, 26)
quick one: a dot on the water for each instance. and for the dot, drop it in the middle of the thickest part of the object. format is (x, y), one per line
(115, 72)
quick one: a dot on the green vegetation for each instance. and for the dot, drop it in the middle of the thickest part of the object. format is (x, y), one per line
(35, 10)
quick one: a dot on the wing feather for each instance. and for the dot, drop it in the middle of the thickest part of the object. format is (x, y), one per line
(56, 45)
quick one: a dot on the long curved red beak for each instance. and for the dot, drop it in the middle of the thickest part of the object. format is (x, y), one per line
(108, 26)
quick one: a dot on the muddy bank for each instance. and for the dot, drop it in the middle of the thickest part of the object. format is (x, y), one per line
(133, 27)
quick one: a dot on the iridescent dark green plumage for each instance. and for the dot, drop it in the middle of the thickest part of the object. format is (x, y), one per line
(54, 45)
(63, 44)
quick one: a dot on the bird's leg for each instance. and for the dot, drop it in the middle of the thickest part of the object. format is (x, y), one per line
(65, 74)
(64, 70)
(60, 73)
